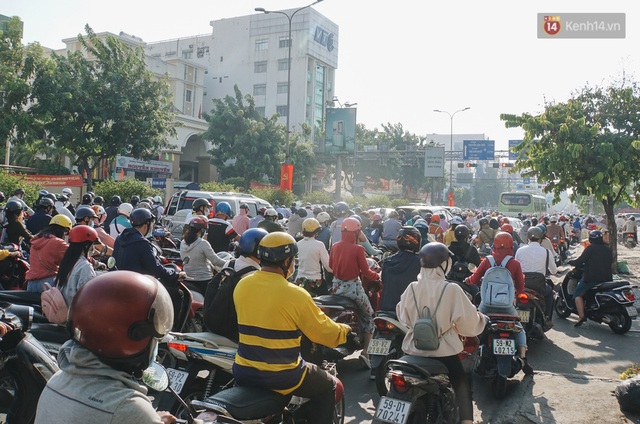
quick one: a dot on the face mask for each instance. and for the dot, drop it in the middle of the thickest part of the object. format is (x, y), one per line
(91, 224)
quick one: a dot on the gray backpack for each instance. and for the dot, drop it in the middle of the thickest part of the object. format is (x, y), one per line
(497, 289)
(425, 329)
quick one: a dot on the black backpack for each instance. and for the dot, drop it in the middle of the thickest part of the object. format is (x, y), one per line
(219, 311)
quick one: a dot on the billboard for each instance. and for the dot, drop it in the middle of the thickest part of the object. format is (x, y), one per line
(434, 161)
(340, 131)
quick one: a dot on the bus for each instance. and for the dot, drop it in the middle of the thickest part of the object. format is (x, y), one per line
(520, 202)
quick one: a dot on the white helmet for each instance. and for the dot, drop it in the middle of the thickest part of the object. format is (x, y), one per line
(270, 212)
(553, 218)
(323, 217)
(125, 209)
(67, 191)
(157, 199)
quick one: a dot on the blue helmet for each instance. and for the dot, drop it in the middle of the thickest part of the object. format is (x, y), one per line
(223, 207)
(249, 241)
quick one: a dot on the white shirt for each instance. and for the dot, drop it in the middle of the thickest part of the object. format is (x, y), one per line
(533, 258)
(312, 255)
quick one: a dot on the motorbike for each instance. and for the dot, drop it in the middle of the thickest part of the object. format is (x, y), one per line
(496, 355)
(25, 366)
(530, 305)
(629, 240)
(611, 302)
(13, 270)
(385, 345)
(558, 248)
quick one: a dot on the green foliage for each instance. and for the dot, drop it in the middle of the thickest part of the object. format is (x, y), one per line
(10, 182)
(285, 197)
(378, 201)
(97, 108)
(234, 181)
(216, 186)
(317, 198)
(125, 189)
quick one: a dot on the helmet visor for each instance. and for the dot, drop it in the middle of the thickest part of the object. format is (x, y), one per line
(161, 312)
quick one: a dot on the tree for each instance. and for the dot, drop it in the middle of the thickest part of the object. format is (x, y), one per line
(17, 66)
(245, 144)
(102, 104)
(589, 144)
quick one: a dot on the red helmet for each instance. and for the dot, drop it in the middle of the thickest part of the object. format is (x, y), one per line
(503, 239)
(507, 228)
(198, 222)
(504, 220)
(351, 225)
(82, 233)
(116, 315)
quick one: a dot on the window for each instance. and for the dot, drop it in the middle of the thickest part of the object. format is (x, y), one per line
(281, 110)
(262, 44)
(284, 42)
(187, 54)
(283, 64)
(259, 89)
(260, 67)
(283, 87)
(187, 96)
(260, 111)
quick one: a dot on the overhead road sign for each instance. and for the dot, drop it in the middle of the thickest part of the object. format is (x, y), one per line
(478, 149)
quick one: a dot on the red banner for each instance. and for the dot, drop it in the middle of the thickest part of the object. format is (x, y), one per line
(56, 180)
(286, 176)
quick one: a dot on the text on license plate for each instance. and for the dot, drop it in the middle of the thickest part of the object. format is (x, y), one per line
(632, 311)
(177, 379)
(379, 347)
(524, 315)
(504, 347)
(393, 410)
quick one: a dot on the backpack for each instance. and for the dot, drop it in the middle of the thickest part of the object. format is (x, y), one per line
(425, 329)
(497, 289)
(219, 310)
(54, 306)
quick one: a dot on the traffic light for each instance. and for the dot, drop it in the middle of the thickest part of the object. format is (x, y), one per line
(496, 165)
(470, 165)
(507, 165)
(460, 165)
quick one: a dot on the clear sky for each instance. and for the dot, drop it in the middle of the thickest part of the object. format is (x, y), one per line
(399, 60)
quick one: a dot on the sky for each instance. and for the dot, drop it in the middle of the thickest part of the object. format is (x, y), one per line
(398, 60)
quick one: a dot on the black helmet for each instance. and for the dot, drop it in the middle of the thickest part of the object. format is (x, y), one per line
(99, 200)
(434, 254)
(493, 223)
(595, 237)
(462, 233)
(50, 196)
(2, 196)
(115, 200)
(535, 233)
(140, 217)
(199, 203)
(341, 208)
(409, 239)
(302, 213)
(483, 222)
(13, 206)
(18, 191)
(534, 221)
(83, 212)
(45, 202)
(87, 199)
(317, 210)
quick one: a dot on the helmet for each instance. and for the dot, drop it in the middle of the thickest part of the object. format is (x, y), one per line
(270, 212)
(2, 196)
(302, 213)
(199, 203)
(461, 233)
(277, 246)
(14, 206)
(249, 241)
(351, 225)
(543, 228)
(84, 212)
(99, 210)
(244, 206)
(409, 239)
(198, 222)
(435, 219)
(420, 223)
(316, 211)
(117, 315)
(534, 234)
(493, 223)
(157, 199)
(323, 217)
(310, 225)
(534, 220)
(456, 220)
(503, 239)
(223, 207)
(18, 191)
(115, 200)
(67, 191)
(141, 216)
(135, 199)
(61, 220)
(125, 209)
(483, 222)
(144, 204)
(595, 236)
(86, 198)
(262, 210)
(504, 220)
(393, 214)
(591, 227)
(377, 217)
(98, 200)
(46, 202)
(507, 228)
(340, 208)
(553, 218)
(434, 254)
(563, 218)
(82, 234)
(42, 193)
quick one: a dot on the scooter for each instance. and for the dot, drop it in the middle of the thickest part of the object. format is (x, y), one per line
(26, 366)
(385, 345)
(629, 241)
(13, 270)
(611, 302)
(530, 307)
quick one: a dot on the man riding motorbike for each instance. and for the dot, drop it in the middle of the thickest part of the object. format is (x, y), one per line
(400, 269)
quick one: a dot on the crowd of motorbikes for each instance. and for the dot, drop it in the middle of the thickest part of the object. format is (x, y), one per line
(193, 377)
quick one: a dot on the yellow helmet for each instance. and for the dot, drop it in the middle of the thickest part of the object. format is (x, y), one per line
(310, 225)
(61, 220)
(277, 246)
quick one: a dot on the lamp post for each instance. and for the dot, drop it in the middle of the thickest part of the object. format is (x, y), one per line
(451, 115)
(289, 17)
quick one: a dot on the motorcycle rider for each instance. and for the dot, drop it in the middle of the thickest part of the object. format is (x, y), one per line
(272, 313)
(253, 222)
(202, 258)
(41, 217)
(400, 269)
(348, 261)
(14, 225)
(486, 233)
(112, 210)
(47, 250)
(455, 313)
(324, 235)
(18, 195)
(201, 207)
(449, 235)
(312, 257)
(341, 212)
(112, 343)
(555, 230)
(464, 253)
(269, 222)
(597, 260)
(534, 258)
(630, 227)
(390, 229)
(121, 222)
(221, 233)
(240, 222)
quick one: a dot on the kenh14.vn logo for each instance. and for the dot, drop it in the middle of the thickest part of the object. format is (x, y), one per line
(552, 25)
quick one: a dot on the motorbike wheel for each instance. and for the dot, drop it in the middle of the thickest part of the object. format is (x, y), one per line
(195, 392)
(338, 412)
(382, 385)
(418, 414)
(561, 309)
(622, 323)
(499, 387)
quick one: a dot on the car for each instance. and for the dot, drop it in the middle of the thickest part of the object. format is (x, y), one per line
(425, 209)
(516, 223)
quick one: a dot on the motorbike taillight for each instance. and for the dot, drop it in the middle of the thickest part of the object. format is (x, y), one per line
(631, 297)
(383, 325)
(523, 298)
(178, 346)
(399, 383)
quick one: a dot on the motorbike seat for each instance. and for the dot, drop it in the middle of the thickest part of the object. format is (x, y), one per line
(20, 297)
(250, 403)
(609, 285)
(329, 300)
(389, 314)
(427, 365)
(207, 337)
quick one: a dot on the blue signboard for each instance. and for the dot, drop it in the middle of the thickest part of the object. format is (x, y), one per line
(478, 149)
(158, 183)
(513, 143)
(526, 181)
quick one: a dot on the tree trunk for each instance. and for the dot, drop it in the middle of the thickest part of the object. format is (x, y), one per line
(613, 233)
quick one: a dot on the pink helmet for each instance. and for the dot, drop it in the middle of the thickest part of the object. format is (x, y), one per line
(351, 225)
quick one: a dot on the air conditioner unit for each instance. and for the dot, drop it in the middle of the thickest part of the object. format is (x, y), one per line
(190, 46)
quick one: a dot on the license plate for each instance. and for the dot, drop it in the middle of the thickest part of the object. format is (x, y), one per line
(504, 347)
(524, 315)
(393, 410)
(177, 379)
(632, 311)
(379, 347)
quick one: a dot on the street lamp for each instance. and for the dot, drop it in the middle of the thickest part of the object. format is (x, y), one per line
(289, 17)
(451, 115)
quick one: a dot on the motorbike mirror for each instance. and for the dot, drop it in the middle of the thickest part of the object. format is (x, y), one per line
(156, 377)
(111, 262)
(186, 260)
(471, 267)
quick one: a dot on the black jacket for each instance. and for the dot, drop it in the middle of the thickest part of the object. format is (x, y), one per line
(398, 271)
(597, 260)
(465, 253)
